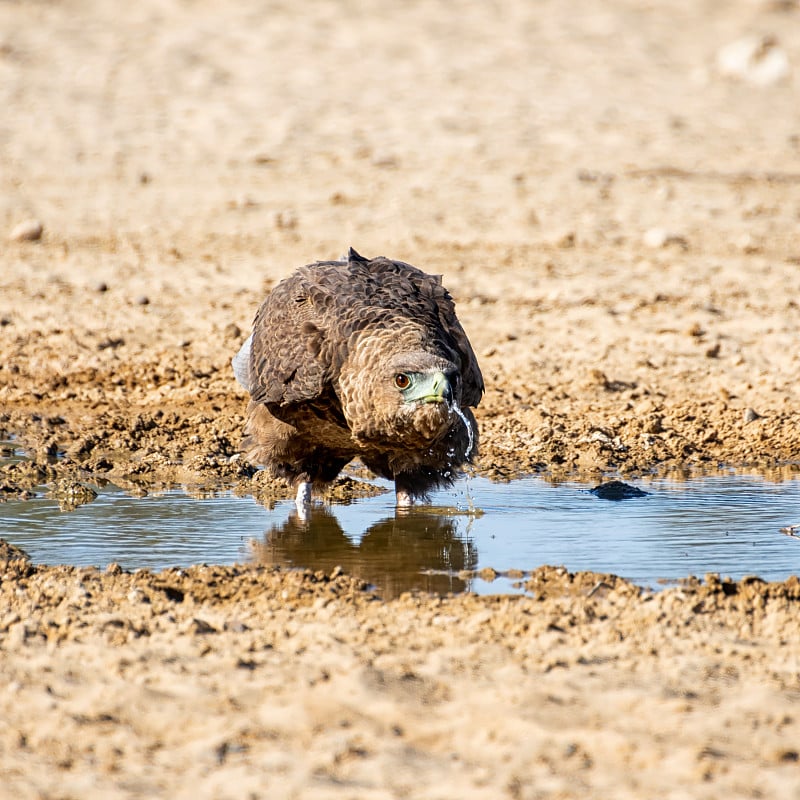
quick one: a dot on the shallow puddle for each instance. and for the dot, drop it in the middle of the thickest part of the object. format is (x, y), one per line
(726, 523)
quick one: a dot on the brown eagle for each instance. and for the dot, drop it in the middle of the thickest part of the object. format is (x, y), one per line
(360, 358)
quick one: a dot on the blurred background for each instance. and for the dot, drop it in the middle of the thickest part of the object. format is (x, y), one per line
(383, 123)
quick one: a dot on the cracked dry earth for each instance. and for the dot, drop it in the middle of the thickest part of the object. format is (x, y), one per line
(617, 219)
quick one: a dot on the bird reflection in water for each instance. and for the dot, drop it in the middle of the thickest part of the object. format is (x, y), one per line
(407, 551)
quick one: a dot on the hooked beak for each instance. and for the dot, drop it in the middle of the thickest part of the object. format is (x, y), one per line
(432, 387)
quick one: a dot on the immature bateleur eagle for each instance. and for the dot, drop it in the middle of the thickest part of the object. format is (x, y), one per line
(360, 358)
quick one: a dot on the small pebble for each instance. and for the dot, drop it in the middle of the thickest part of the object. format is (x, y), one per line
(656, 238)
(200, 627)
(110, 343)
(285, 220)
(488, 574)
(101, 286)
(654, 424)
(750, 415)
(244, 201)
(757, 60)
(232, 331)
(564, 239)
(747, 243)
(142, 300)
(29, 231)
(696, 330)
(384, 160)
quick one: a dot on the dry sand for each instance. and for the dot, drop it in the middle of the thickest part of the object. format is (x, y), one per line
(616, 214)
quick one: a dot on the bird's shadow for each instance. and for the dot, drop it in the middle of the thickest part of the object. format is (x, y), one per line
(409, 550)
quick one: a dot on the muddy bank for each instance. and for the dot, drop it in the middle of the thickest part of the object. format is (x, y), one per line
(139, 412)
(257, 681)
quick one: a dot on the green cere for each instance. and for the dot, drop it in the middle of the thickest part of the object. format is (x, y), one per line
(424, 387)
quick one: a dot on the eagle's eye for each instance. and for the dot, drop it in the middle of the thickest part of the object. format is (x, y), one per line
(402, 381)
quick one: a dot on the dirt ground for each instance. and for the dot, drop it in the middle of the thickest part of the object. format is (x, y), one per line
(612, 193)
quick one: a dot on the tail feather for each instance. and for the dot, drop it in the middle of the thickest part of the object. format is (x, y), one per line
(261, 431)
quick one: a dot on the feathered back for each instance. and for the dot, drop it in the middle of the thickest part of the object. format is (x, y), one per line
(305, 329)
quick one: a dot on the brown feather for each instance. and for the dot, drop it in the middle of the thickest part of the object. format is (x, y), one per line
(325, 345)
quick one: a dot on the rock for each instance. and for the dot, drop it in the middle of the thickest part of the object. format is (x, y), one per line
(657, 238)
(29, 231)
(232, 331)
(142, 300)
(563, 239)
(200, 627)
(285, 220)
(71, 494)
(747, 243)
(10, 552)
(696, 330)
(653, 423)
(111, 343)
(385, 160)
(757, 60)
(244, 201)
(750, 415)
(616, 490)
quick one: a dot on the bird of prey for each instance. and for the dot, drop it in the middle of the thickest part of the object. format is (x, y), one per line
(360, 358)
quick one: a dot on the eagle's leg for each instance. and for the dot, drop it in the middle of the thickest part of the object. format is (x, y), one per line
(302, 500)
(411, 488)
(303, 497)
(403, 498)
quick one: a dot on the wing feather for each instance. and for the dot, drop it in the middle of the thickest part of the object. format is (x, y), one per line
(296, 342)
(302, 330)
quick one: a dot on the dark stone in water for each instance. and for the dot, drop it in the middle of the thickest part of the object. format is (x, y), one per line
(617, 490)
(13, 492)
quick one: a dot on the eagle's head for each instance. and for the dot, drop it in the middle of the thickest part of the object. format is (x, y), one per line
(420, 389)
(401, 396)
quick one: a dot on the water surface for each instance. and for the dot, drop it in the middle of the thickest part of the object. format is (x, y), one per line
(726, 523)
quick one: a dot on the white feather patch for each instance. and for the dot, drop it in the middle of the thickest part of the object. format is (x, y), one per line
(241, 363)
